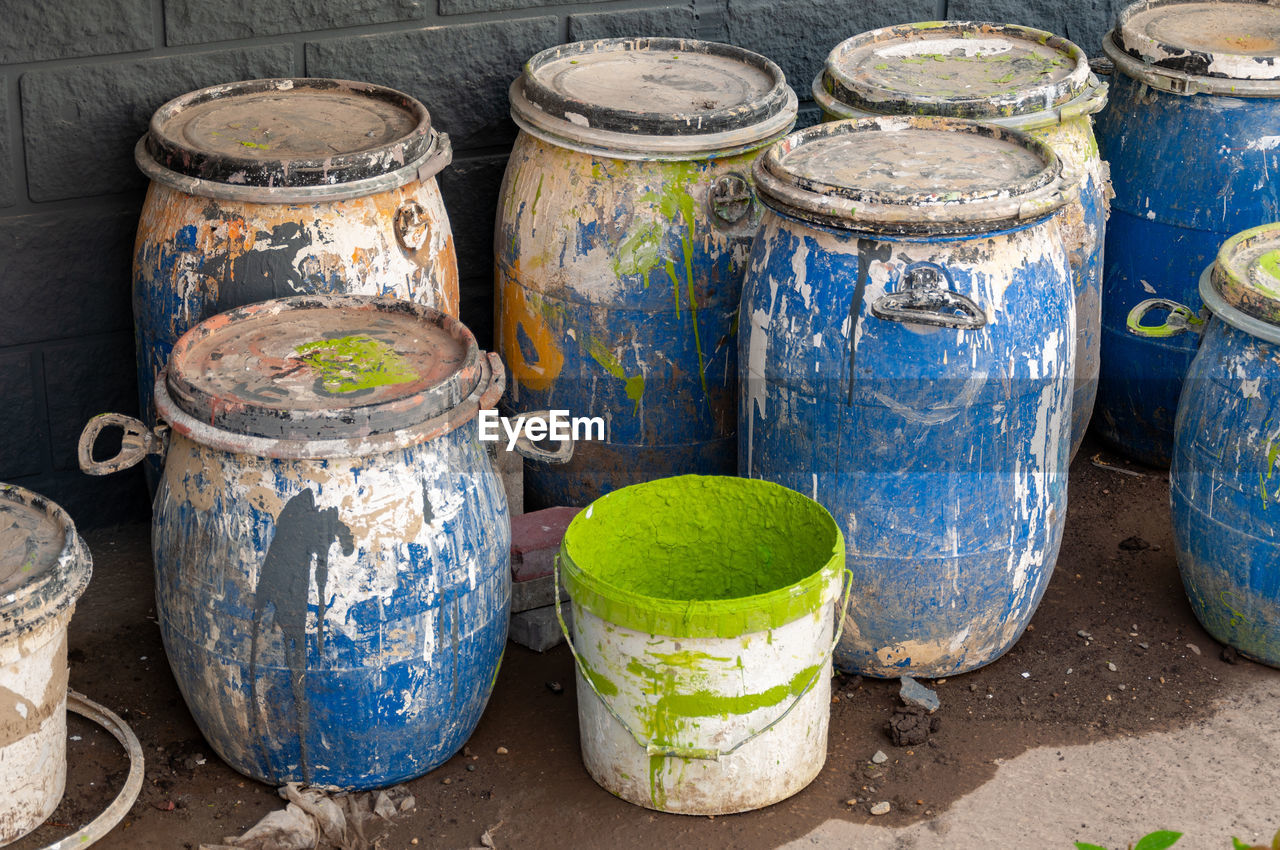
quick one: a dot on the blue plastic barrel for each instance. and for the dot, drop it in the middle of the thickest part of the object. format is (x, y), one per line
(1192, 134)
(1017, 77)
(623, 227)
(331, 542)
(908, 334)
(1225, 475)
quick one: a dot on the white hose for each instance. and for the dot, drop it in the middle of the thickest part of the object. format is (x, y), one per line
(105, 822)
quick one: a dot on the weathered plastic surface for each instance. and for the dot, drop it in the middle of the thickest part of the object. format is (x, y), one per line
(44, 568)
(197, 256)
(1021, 78)
(617, 296)
(941, 452)
(333, 621)
(1188, 171)
(1225, 488)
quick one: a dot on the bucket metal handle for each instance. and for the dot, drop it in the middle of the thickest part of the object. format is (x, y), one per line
(923, 301)
(1179, 320)
(137, 442)
(708, 754)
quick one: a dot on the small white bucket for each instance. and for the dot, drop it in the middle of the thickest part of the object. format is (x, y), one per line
(44, 567)
(703, 623)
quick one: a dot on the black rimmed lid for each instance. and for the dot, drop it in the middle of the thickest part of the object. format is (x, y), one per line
(323, 367)
(1229, 39)
(655, 86)
(290, 132)
(898, 175)
(958, 69)
(43, 566)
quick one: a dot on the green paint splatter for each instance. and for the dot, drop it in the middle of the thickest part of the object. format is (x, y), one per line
(640, 252)
(257, 145)
(634, 385)
(533, 209)
(1262, 488)
(350, 363)
(1270, 263)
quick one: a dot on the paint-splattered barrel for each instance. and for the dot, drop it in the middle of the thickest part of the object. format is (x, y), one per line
(270, 188)
(623, 227)
(1193, 138)
(1225, 475)
(908, 330)
(331, 542)
(44, 568)
(1018, 77)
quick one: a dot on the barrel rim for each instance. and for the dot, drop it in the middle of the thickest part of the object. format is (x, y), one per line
(841, 87)
(57, 588)
(243, 416)
(1235, 291)
(1183, 61)
(719, 618)
(921, 213)
(171, 152)
(537, 108)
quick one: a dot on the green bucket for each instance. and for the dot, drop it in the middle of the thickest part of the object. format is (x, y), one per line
(703, 623)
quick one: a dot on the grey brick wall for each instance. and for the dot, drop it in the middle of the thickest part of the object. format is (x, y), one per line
(80, 78)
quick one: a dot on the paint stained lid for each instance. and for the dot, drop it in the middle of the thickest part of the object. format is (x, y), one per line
(1229, 39)
(323, 368)
(44, 566)
(1247, 273)
(292, 133)
(899, 175)
(958, 69)
(666, 94)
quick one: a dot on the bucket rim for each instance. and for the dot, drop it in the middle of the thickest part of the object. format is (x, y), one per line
(715, 618)
(30, 605)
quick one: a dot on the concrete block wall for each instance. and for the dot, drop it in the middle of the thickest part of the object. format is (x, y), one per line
(80, 78)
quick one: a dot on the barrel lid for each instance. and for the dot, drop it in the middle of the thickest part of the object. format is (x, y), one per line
(323, 367)
(43, 566)
(1231, 39)
(1247, 274)
(903, 175)
(630, 92)
(290, 133)
(958, 69)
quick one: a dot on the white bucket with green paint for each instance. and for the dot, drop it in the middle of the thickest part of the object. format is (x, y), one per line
(703, 619)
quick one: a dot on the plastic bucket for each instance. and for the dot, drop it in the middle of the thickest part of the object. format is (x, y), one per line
(702, 630)
(44, 567)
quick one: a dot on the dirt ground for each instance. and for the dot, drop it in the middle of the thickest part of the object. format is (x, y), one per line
(1115, 599)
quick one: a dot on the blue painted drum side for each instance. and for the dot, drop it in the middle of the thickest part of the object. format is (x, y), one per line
(373, 662)
(1188, 171)
(945, 457)
(1225, 486)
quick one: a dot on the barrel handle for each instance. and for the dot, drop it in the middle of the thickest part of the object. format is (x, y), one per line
(1180, 319)
(497, 382)
(707, 754)
(137, 442)
(530, 450)
(923, 301)
(438, 160)
(412, 226)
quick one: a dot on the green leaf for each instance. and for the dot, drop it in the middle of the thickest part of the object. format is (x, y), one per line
(1158, 840)
(1080, 845)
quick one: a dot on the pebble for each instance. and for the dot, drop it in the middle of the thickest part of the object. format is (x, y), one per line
(1144, 644)
(502, 751)
(881, 808)
(973, 687)
(1193, 648)
(414, 842)
(1026, 675)
(852, 801)
(1122, 686)
(1111, 667)
(555, 687)
(471, 767)
(1082, 633)
(879, 757)
(912, 692)
(446, 781)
